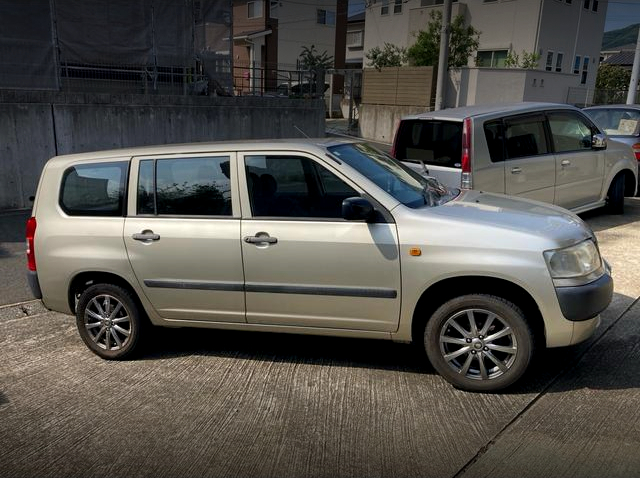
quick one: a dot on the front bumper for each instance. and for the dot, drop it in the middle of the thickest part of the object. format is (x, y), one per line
(586, 301)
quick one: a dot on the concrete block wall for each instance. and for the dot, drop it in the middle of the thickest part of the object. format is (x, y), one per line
(35, 126)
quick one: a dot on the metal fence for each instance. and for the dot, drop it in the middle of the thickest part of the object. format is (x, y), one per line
(592, 96)
(282, 80)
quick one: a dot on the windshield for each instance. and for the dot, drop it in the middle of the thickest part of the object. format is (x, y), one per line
(617, 121)
(405, 185)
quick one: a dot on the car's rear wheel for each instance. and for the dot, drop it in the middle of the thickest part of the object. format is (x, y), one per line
(479, 342)
(108, 321)
(615, 195)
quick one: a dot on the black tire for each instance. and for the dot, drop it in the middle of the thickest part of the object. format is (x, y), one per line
(615, 195)
(466, 355)
(109, 321)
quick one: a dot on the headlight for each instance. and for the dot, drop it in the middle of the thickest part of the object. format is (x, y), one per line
(576, 261)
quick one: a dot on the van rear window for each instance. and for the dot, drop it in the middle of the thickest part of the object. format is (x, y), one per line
(94, 189)
(436, 143)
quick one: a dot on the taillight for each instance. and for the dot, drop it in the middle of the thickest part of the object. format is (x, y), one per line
(31, 234)
(636, 150)
(466, 181)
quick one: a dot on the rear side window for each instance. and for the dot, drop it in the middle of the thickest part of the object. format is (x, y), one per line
(494, 134)
(185, 187)
(436, 143)
(525, 136)
(94, 189)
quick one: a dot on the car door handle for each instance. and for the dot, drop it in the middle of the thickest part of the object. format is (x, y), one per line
(260, 239)
(146, 236)
(565, 162)
(516, 170)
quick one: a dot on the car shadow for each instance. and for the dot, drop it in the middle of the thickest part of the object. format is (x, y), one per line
(600, 219)
(13, 225)
(592, 364)
(3, 399)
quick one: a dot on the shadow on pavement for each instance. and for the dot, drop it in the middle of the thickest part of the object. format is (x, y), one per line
(3, 399)
(566, 368)
(600, 219)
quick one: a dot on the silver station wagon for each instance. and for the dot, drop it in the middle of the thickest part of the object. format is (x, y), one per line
(543, 151)
(313, 237)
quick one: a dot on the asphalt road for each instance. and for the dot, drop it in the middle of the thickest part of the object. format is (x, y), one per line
(229, 404)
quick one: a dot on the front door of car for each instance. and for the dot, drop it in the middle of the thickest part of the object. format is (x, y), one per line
(183, 236)
(579, 167)
(530, 168)
(304, 265)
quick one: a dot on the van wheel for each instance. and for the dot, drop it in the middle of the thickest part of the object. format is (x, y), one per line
(479, 343)
(615, 195)
(108, 320)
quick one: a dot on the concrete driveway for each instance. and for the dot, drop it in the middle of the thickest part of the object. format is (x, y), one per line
(227, 404)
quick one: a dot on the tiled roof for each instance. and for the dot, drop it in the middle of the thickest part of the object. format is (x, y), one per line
(622, 58)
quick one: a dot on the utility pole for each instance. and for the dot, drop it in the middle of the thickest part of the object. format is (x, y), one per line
(443, 59)
(633, 84)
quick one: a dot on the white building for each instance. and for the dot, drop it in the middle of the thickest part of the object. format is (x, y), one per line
(567, 35)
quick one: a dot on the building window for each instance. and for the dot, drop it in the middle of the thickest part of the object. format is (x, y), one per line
(254, 9)
(587, 4)
(384, 9)
(326, 17)
(559, 59)
(568, 2)
(492, 58)
(489, 1)
(397, 6)
(273, 8)
(585, 70)
(594, 6)
(576, 65)
(431, 3)
(355, 39)
(549, 64)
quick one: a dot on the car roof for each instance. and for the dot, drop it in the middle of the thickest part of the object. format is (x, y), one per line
(613, 107)
(296, 144)
(458, 114)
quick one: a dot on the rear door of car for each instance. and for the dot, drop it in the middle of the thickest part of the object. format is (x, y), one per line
(530, 166)
(305, 266)
(182, 236)
(579, 167)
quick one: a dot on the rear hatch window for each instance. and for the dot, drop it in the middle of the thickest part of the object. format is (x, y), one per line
(436, 143)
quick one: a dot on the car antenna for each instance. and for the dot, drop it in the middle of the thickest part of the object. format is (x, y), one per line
(301, 132)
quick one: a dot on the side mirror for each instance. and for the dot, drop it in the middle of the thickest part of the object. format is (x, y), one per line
(599, 141)
(357, 209)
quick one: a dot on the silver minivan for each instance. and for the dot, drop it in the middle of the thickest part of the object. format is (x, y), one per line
(543, 151)
(318, 237)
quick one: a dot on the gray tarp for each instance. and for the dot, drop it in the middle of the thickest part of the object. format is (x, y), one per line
(163, 33)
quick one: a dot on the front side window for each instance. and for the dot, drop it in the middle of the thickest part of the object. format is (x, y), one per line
(525, 137)
(94, 189)
(185, 187)
(569, 132)
(294, 186)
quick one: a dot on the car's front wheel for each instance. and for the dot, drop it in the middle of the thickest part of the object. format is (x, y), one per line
(615, 195)
(108, 321)
(478, 342)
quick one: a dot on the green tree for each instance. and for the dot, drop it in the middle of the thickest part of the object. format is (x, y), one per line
(311, 59)
(463, 41)
(612, 77)
(528, 60)
(389, 55)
